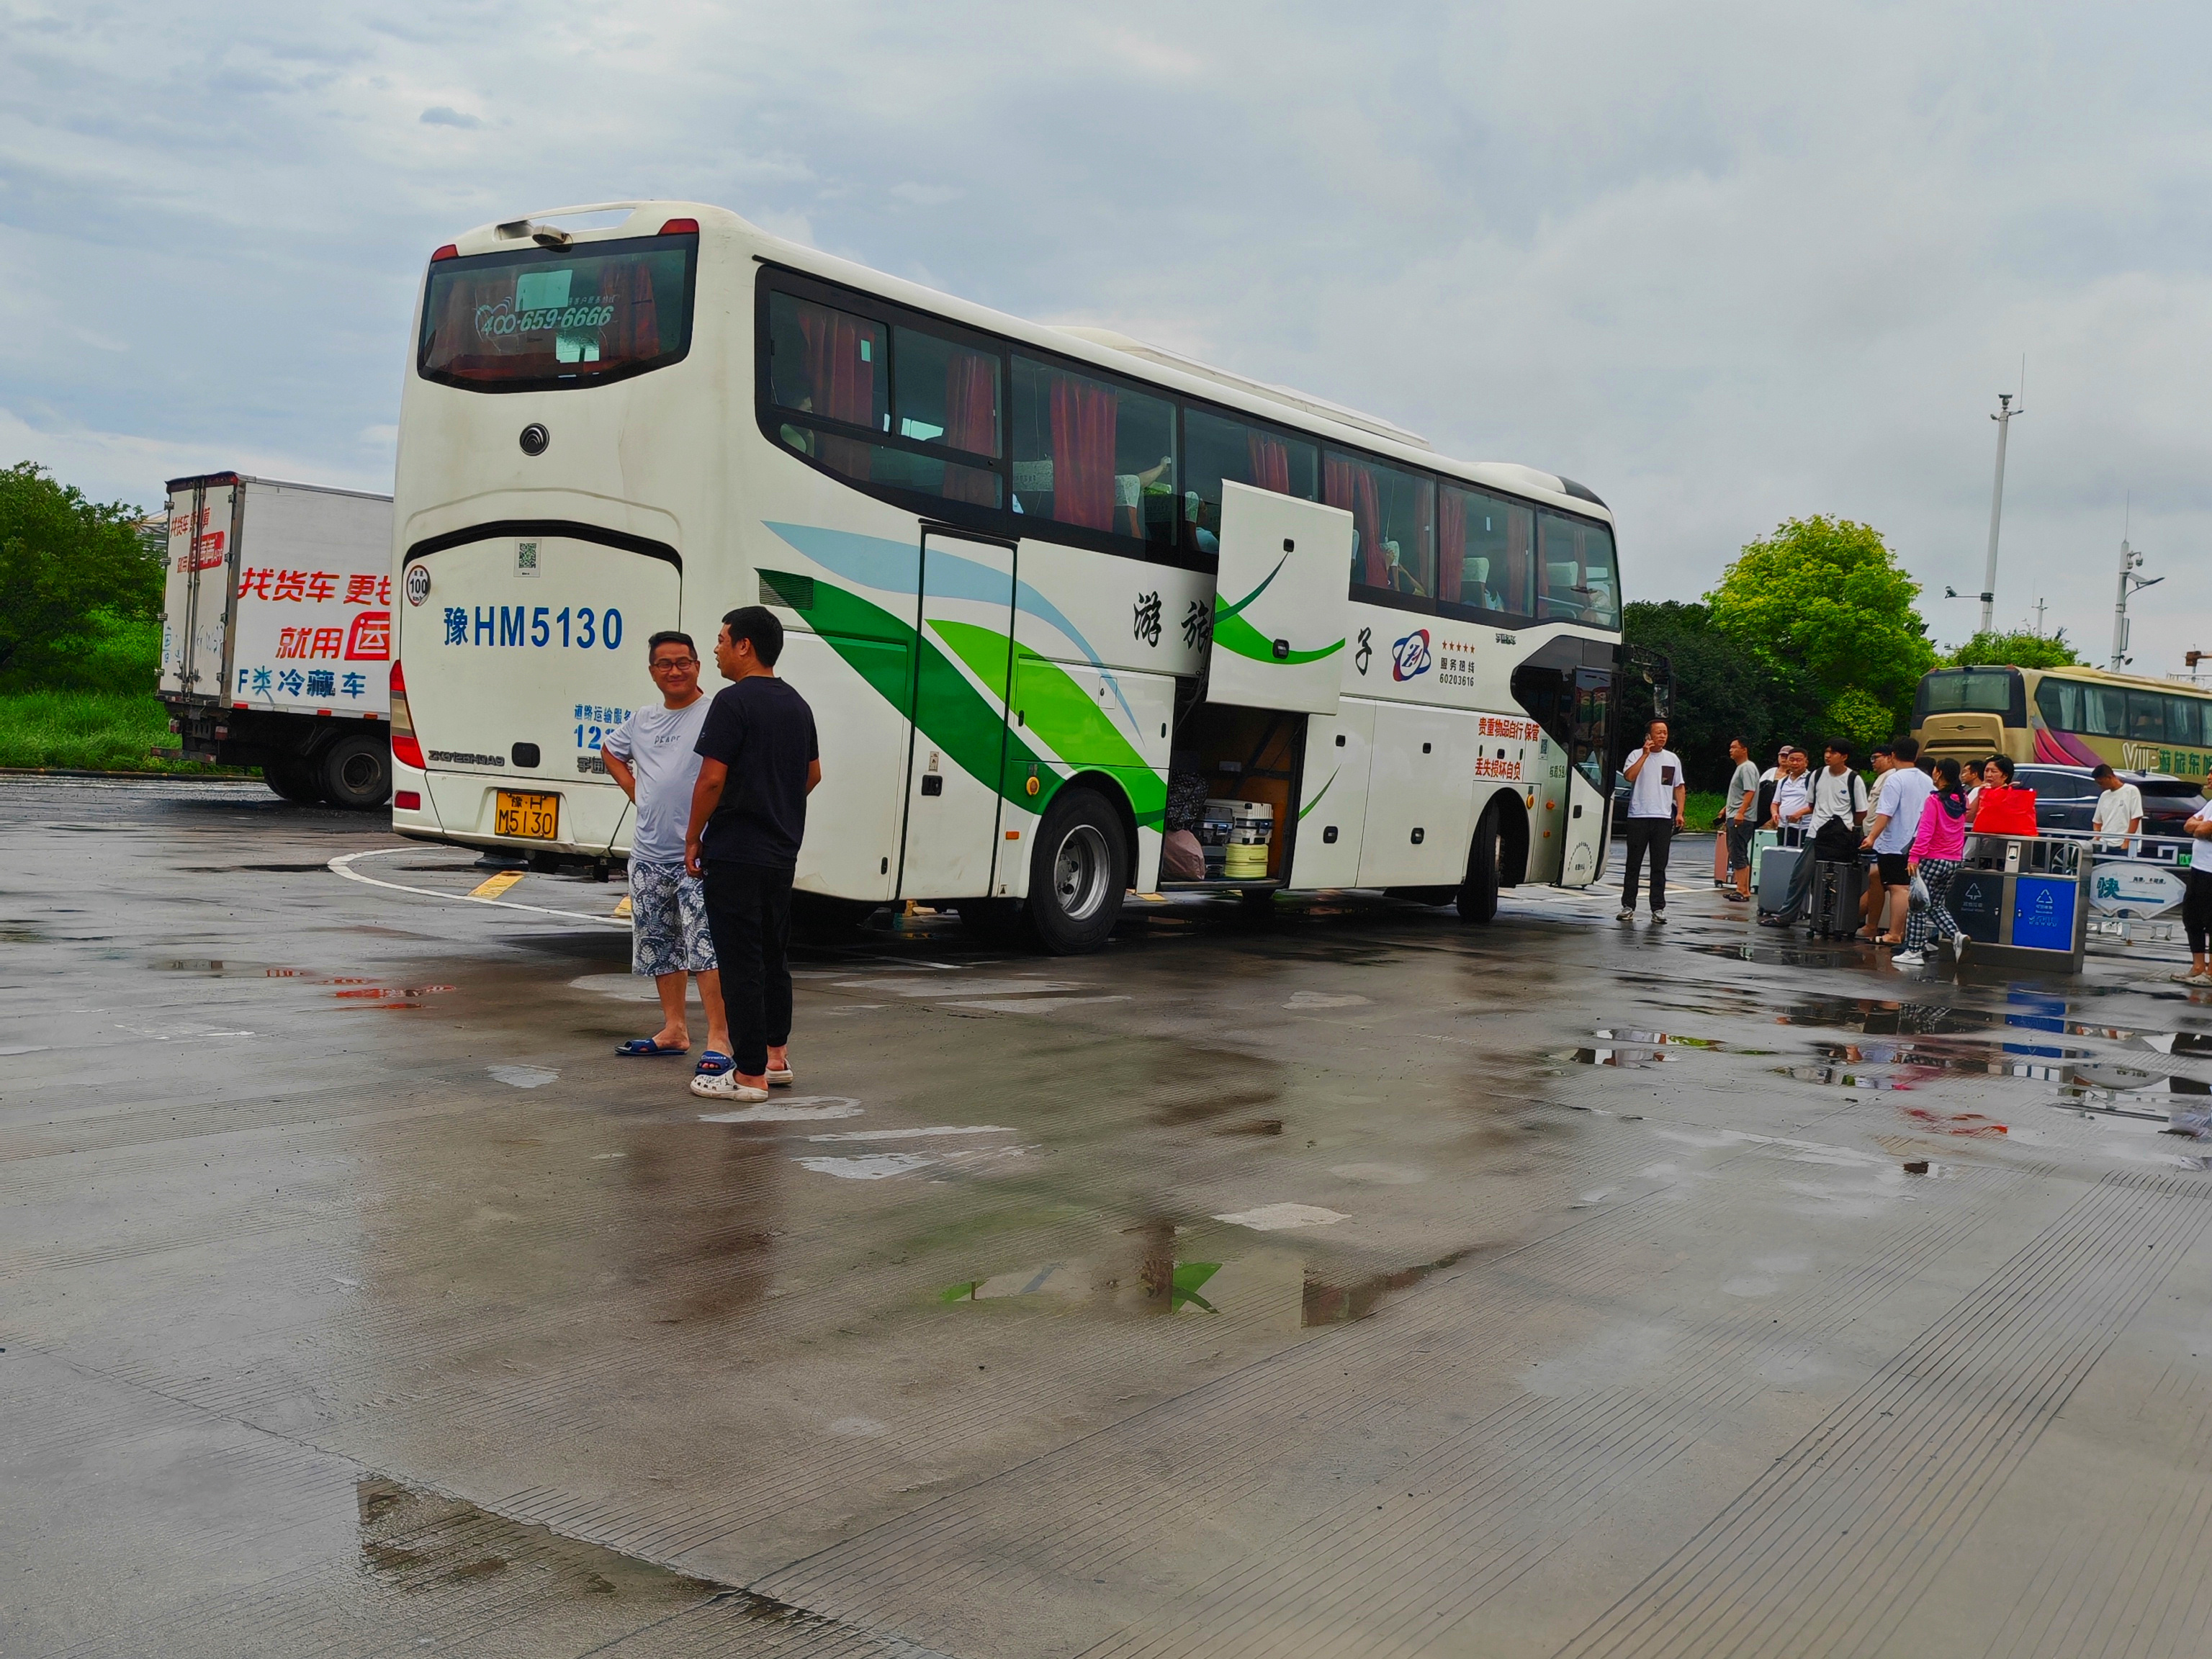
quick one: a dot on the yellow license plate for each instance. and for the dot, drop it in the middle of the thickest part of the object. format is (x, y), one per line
(534, 817)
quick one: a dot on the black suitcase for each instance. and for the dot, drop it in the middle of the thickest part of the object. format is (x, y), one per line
(1836, 890)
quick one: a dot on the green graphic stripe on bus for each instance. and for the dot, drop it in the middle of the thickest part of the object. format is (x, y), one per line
(1060, 713)
(961, 723)
(1219, 612)
(1233, 632)
(1318, 793)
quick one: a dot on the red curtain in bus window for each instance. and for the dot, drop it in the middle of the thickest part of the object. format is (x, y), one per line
(1518, 589)
(844, 383)
(1451, 545)
(971, 423)
(456, 346)
(1347, 484)
(1082, 452)
(641, 334)
(1271, 463)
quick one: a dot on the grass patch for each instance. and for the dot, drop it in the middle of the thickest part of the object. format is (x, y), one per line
(91, 732)
(1701, 809)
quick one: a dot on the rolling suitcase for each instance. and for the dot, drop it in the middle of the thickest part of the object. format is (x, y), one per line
(1770, 875)
(1836, 890)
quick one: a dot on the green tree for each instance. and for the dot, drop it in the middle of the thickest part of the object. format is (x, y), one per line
(1721, 690)
(1823, 605)
(80, 586)
(2015, 651)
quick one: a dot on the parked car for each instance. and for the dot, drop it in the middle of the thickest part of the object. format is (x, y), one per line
(2065, 797)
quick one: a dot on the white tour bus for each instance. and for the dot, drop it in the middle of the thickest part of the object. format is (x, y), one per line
(1051, 593)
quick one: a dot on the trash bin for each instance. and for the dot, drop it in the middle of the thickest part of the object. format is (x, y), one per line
(2023, 899)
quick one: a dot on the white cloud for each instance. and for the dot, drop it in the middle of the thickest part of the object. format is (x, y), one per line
(1724, 262)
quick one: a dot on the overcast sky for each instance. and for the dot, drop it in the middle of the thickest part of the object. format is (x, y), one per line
(1723, 262)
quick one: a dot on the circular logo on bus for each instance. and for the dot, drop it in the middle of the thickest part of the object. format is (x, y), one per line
(418, 583)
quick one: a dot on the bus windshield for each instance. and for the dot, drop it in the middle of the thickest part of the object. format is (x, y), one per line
(1970, 691)
(540, 318)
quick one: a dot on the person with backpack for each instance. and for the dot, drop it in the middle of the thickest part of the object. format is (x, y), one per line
(1838, 806)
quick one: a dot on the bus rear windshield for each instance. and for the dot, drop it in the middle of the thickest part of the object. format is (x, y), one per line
(546, 317)
(1972, 691)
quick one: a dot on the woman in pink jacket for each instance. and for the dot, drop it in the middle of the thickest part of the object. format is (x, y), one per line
(1933, 858)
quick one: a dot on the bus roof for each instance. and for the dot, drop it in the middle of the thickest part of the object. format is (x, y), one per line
(1102, 347)
(2094, 675)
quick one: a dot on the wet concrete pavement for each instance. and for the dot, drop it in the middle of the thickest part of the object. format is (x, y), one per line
(1343, 1282)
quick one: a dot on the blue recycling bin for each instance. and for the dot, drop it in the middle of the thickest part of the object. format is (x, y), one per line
(2023, 899)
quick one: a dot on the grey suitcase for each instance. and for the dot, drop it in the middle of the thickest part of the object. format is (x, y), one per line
(1771, 879)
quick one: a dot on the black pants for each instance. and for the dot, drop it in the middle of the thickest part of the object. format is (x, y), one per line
(2197, 910)
(1657, 836)
(749, 913)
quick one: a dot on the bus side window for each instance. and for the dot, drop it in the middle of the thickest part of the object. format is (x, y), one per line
(1089, 452)
(831, 364)
(1394, 524)
(2104, 711)
(2059, 702)
(2184, 721)
(1216, 451)
(2146, 717)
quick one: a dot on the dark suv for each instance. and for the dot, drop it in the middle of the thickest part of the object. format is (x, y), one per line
(2065, 796)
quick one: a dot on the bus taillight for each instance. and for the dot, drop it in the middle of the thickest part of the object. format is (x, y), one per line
(680, 227)
(405, 748)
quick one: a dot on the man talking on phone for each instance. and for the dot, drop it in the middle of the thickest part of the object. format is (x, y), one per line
(1656, 793)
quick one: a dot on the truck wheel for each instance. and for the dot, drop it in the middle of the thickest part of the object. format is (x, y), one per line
(357, 773)
(1078, 870)
(1478, 894)
(295, 777)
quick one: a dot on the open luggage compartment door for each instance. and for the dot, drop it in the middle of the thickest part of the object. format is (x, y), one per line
(1279, 601)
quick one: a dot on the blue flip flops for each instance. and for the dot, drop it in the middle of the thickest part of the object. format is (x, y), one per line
(713, 1063)
(645, 1049)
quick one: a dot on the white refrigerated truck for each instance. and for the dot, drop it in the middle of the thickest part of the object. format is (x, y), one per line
(276, 634)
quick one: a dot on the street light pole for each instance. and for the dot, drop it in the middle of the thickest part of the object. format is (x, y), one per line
(2130, 561)
(2003, 418)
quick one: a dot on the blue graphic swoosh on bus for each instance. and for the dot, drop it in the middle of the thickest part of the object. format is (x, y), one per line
(896, 568)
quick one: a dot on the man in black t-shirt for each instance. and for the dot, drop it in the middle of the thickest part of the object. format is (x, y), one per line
(758, 763)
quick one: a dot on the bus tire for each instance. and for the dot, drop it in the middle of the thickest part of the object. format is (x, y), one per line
(1478, 894)
(1078, 870)
(355, 772)
(294, 777)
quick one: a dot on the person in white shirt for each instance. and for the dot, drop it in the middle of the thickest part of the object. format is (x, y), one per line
(1736, 820)
(1896, 806)
(2117, 817)
(651, 755)
(1793, 796)
(1655, 797)
(1839, 803)
(2197, 901)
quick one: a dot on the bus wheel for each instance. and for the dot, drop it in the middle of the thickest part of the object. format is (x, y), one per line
(1078, 868)
(295, 777)
(357, 773)
(1478, 894)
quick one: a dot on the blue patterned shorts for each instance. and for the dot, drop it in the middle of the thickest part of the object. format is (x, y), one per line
(668, 921)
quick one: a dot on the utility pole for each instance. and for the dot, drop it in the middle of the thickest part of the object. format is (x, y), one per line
(2003, 418)
(2130, 561)
(2039, 619)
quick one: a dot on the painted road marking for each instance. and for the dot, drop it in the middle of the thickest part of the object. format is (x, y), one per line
(493, 887)
(343, 866)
